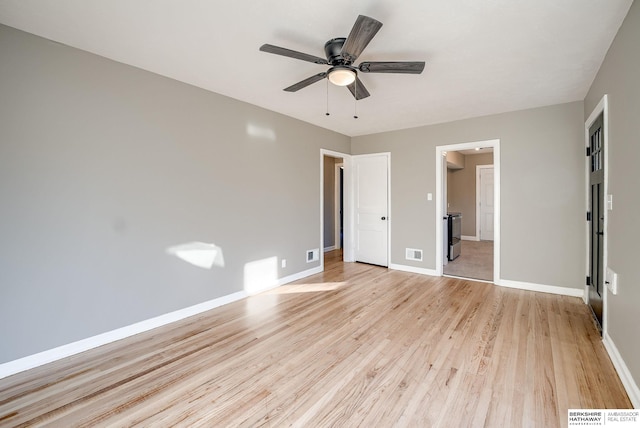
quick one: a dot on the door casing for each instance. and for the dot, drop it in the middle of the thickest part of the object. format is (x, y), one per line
(338, 216)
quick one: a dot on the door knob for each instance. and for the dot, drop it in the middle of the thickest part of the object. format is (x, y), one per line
(383, 218)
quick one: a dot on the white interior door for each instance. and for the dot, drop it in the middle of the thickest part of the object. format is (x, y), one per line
(371, 199)
(486, 202)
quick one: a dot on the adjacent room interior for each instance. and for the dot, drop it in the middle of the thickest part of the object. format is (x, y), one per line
(470, 209)
(190, 237)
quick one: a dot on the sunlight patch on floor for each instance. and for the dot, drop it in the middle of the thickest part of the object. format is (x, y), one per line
(307, 288)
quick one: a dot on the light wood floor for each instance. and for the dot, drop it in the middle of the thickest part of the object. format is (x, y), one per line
(358, 345)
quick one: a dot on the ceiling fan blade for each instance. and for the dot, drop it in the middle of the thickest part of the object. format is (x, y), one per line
(292, 54)
(361, 34)
(358, 90)
(306, 82)
(408, 67)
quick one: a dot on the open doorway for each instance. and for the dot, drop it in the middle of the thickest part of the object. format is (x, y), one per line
(333, 191)
(335, 226)
(468, 210)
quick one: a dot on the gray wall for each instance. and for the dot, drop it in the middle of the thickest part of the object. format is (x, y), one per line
(461, 190)
(542, 189)
(619, 78)
(103, 166)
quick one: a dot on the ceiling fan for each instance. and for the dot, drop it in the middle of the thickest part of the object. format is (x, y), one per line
(341, 55)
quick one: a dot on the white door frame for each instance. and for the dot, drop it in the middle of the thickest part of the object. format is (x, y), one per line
(347, 192)
(441, 210)
(478, 193)
(601, 108)
(336, 214)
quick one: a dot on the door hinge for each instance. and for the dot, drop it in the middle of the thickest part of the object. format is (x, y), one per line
(588, 215)
(588, 151)
(588, 282)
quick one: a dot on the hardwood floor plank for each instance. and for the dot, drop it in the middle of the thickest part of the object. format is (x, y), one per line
(356, 345)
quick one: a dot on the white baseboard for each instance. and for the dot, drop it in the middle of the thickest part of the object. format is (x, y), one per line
(51, 355)
(633, 391)
(412, 269)
(331, 248)
(553, 289)
(469, 238)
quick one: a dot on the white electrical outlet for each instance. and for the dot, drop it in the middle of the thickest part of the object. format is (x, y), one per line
(283, 263)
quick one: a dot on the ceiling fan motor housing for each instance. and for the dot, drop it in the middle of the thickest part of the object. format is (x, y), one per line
(333, 50)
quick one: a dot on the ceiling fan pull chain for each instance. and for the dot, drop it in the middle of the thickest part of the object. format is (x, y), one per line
(355, 100)
(327, 113)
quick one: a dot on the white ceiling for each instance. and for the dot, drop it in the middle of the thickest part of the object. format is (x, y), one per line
(482, 57)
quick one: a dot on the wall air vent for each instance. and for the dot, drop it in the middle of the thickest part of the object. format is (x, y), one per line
(413, 254)
(313, 255)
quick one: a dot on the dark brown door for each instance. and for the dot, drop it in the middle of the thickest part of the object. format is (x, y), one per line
(596, 217)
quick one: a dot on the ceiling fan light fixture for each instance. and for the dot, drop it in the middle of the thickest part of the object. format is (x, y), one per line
(342, 76)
